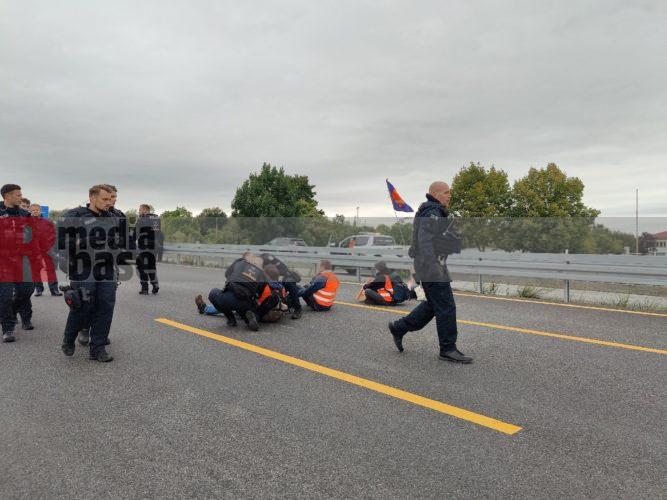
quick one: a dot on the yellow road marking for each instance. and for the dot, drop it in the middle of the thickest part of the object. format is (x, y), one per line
(432, 404)
(522, 330)
(545, 303)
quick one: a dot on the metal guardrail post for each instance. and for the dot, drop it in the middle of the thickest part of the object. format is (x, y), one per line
(480, 284)
(566, 291)
(178, 258)
(359, 274)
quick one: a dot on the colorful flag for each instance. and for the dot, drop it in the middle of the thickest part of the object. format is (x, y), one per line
(396, 200)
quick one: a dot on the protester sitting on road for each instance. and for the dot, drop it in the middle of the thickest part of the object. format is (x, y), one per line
(321, 292)
(271, 302)
(289, 279)
(386, 288)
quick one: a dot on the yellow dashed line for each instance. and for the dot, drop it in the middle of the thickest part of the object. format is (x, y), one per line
(521, 330)
(432, 404)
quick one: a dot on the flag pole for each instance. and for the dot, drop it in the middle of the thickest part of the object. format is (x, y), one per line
(400, 230)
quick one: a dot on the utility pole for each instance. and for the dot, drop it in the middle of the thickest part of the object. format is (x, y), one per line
(637, 221)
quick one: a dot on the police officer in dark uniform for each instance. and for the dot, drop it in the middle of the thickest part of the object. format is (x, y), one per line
(289, 282)
(245, 279)
(431, 240)
(147, 235)
(121, 247)
(88, 246)
(15, 290)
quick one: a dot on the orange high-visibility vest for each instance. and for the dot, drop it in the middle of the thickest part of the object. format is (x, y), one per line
(325, 296)
(388, 291)
(267, 292)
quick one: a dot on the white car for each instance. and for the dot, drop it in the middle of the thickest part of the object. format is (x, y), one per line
(368, 241)
(374, 242)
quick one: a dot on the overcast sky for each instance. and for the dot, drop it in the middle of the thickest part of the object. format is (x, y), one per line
(177, 102)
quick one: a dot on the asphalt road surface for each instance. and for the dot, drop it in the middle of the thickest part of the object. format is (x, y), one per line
(327, 407)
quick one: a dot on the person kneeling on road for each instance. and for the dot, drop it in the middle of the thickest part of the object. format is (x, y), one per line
(321, 292)
(270, 306)
(245, 280)
(387, 288)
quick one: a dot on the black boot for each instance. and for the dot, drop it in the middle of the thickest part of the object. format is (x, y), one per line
(296, 313)
(68, 349)
(27, 325)
(144, 289)
(251, 319)
(84, 336)
(101, 355)
(156, 287)
(456, 356)
(398, 336)
(231, 319)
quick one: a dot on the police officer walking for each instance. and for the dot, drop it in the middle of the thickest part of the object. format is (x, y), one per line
(430, 242)
(15, 290)
(93, 281)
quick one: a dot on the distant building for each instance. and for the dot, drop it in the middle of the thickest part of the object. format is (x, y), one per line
(660, 247)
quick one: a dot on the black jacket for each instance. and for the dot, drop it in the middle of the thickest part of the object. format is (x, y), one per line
(431, 222)
(84, 232)
(244, 279)
(287, 274)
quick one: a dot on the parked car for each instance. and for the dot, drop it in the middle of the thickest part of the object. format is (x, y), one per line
(368, 241)
(287, 242)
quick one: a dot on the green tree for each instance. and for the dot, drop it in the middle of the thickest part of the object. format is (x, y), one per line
(549, 192)
(549, 214)
(272, 203)
(180, 212)
(481, 197)
(273, 193)
(131, 215)
(646, 243)
(211, 220)
(179, 226)
(478, 192)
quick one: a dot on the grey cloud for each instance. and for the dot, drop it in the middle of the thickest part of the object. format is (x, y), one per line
(177, 102)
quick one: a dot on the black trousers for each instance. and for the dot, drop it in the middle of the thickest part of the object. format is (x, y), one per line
(14, 297)
(227, 303)
(98, 313)
(293, 297)
(439, 304)
(53, 286)
(147, 268)
(269, 303)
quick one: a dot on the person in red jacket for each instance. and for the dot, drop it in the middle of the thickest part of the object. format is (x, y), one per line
(47, 238)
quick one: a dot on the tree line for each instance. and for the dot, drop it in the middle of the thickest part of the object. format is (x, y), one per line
(541, 212)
